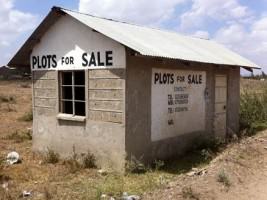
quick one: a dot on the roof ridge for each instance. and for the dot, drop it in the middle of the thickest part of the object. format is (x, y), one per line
(130, 23)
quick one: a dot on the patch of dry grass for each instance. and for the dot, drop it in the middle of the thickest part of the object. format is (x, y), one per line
(189, 193)
(19, 136)
(27, 117)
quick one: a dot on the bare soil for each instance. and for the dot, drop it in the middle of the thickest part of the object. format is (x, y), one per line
(242, 167)
(245, 165)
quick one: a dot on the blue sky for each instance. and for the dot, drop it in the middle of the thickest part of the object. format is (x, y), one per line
(241, 25)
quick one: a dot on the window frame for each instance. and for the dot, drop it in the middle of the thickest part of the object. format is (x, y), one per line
(67, 116)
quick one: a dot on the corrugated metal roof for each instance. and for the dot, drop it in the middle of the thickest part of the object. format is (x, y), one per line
(160, 43)
(144, 40)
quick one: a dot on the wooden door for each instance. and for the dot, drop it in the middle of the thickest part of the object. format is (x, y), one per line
(220, 105)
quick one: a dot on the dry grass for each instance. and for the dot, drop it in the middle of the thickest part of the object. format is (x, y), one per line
(223, 178)
(53, 180)
(27, 117)
(188, 193)
(250, 85)
(19, 136)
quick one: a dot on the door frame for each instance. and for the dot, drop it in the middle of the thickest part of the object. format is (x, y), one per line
(218, 73)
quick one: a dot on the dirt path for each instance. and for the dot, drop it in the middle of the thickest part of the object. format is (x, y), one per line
(244, 165)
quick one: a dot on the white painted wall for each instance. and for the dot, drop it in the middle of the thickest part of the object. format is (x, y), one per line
(68, 37)
(177, 107)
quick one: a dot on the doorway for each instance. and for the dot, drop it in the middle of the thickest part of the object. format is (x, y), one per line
(220, 105)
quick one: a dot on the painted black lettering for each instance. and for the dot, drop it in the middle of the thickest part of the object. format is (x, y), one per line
(99, 59)
(85, 61)
(193, 79)
(109, 58)
(44, 63)
(38, 62)
(92, 60)
(156, 79)
(189, 79)
(49, 61)
(62, 60)
(71, 60)
(34, 61)
(172, 79)
(54, 61)
(164, 79)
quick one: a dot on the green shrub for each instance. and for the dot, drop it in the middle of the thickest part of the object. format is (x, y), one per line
(253, 112)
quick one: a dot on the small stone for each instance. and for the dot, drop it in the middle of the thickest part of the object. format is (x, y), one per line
(192, 173)
(125, 196)
(26, 193)
(102, 172)
(133, 197)
(5, 185)
(12, 158)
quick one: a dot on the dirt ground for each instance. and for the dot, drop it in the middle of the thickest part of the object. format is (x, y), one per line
(239, 172)
(244, 164)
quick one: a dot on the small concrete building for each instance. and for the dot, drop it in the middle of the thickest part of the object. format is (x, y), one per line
(120, 90)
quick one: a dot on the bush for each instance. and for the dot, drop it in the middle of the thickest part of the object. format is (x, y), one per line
(89, 160)
(51, 157)
(27, 117)
(223, 178)
(158, 164)
(135, 166)
(77, 162)
(72, 164)
(253, 112)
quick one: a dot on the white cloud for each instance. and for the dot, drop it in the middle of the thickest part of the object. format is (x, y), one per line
(250, 41)
(137, 11)
(239, 27)
(204, 11)
(13, 24)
